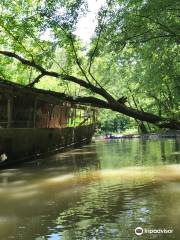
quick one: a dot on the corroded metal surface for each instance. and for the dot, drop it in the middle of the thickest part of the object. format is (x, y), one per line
(33, 122)
(23, 107)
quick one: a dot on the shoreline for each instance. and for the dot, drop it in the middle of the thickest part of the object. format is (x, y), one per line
(168, 134)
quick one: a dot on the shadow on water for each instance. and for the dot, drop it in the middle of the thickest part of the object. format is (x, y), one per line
(101, 191)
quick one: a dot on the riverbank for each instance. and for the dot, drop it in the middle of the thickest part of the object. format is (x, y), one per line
(167, 134)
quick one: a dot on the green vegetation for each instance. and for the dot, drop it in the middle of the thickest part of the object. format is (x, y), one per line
(130, 65)
(111, 122)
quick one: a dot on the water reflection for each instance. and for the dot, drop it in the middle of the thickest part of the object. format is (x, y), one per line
(100, 191)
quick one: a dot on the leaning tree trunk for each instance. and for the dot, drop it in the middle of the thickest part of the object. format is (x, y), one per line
(126, 110)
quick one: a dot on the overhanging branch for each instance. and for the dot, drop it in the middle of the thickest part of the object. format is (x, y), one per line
(44, 72)
(23, 60)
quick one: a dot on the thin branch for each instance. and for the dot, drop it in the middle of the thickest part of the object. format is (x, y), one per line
(92, 58)
(40, 45)
(108, 96)
(173, 9)
(34, 38)
(123, 42)
(77, 59)
(166, 28)
(75, 53)
(53, 59)
(95, 49)
(16, 39)
(2, 74)
(36, 80)
(152, 38)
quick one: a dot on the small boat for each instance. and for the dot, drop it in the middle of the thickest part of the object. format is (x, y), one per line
(34, 122)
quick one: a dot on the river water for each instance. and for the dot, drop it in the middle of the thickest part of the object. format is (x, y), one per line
(99, 191)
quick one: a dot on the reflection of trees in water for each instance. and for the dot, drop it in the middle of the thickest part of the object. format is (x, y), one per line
(86, 159)
(91, 209)
(176, 149)
(177, 144)
(35, 213)
(130, 152)
(175, 153)
(86, 205)
(162, 149)
(165, 210)
(170, 150)
(107, 212)
(142, 151)
(83, 211)
(73, 160)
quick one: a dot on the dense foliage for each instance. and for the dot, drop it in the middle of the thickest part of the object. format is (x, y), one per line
(141, 43)
(132, 59)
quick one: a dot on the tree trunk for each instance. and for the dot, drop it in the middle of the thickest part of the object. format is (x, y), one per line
(128, 111)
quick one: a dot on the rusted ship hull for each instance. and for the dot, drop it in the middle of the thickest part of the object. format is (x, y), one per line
(34, 122)
(22, 144)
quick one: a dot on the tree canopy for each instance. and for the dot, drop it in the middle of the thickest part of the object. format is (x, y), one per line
(130, 65)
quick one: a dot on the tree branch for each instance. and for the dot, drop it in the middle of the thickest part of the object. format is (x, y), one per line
(36, 80)
(44, 72)
(166, 28)
(96, 47)
(151, 38)
(92, 58)
(69, 36)
(15, 38)
(77, 60)
(23, 60)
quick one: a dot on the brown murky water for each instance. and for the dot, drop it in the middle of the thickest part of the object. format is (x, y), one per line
(100, 191)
